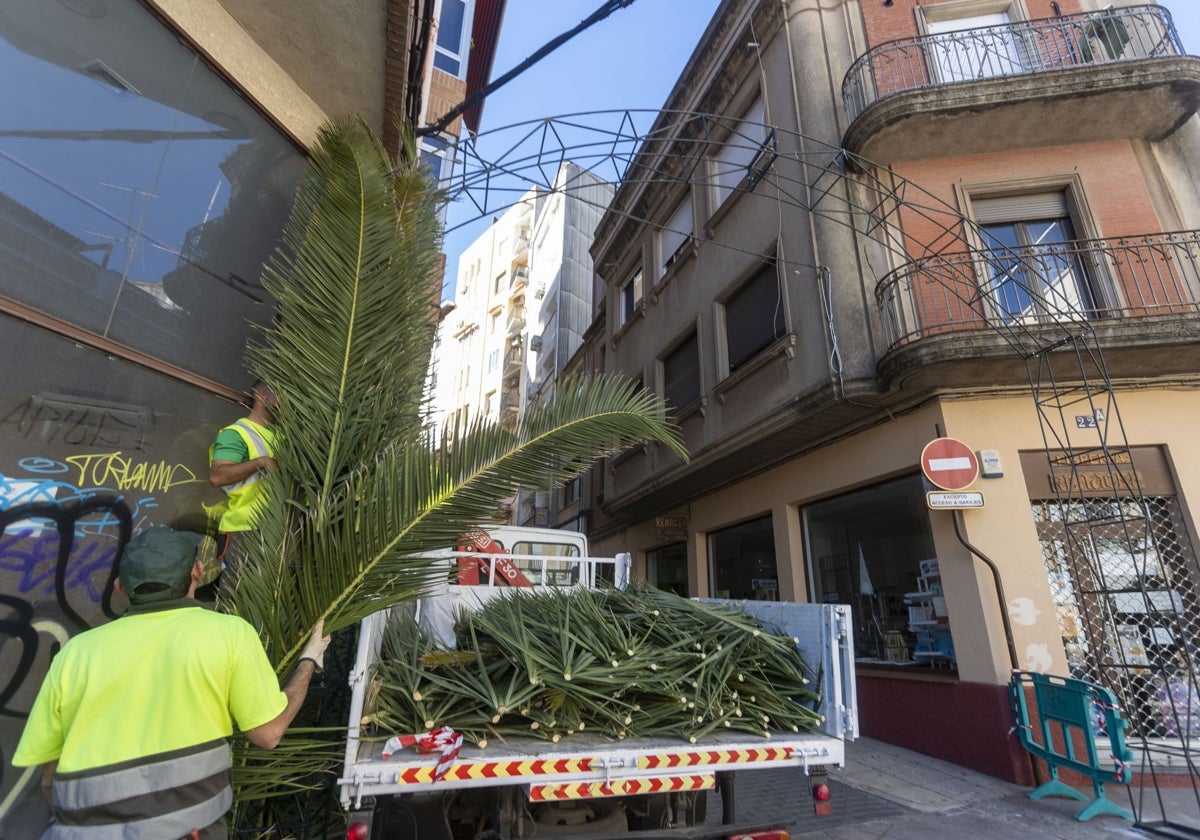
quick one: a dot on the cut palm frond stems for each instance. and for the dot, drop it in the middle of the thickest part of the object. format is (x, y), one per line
(619, 663)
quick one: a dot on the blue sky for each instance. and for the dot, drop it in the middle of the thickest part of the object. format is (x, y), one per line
(629, 60)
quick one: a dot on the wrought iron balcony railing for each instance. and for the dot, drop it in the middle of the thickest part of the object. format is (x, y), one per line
(1024, 47)
(1018, 288)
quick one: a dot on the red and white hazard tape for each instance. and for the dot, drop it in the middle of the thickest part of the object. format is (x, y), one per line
(443, 740)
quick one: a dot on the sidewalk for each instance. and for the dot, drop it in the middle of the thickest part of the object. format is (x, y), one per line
(886, 791)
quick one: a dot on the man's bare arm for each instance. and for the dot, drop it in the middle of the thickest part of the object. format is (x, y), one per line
(270, 733)
(48, 780)
(224, 473)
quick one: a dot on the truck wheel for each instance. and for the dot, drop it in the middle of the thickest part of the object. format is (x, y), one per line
(589, 816)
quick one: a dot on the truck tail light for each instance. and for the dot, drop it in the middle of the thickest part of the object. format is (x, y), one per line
(357, 831)
(769, 834)
(822, 807)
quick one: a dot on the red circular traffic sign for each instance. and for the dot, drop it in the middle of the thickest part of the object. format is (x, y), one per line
(949, 463)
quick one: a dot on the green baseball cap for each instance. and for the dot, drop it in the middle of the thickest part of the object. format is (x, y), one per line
(160, 555)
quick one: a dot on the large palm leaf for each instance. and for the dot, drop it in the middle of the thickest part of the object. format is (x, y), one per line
(364, 492)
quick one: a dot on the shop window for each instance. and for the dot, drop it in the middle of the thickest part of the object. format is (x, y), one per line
(631, 296)
(675, 236)
(1036, 269)
(681, 373)
(1125, 580)
(734, 161)
(666, 568)
(741, 561)
(870, 549)
(140, 200)
(754, 316)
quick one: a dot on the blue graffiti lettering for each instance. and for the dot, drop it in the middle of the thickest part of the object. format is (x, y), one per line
(43, 466)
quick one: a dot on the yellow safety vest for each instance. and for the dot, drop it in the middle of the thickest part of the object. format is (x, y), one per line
(246, 497)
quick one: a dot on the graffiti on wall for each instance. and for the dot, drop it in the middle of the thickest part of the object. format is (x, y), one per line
(63, 524)
(64, 558)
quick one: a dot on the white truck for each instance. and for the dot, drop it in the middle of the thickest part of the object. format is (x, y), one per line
(585, 784)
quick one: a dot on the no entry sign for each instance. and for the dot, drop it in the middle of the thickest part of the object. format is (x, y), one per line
(949, 464)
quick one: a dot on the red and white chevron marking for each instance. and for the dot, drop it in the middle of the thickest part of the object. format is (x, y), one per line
(464, 770)
(699, 758)
(620, 787)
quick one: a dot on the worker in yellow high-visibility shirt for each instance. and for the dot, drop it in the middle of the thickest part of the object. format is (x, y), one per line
(132, 722)
(239, 459)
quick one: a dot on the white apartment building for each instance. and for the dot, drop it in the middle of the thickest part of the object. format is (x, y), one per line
(479, 359)
(522, 299)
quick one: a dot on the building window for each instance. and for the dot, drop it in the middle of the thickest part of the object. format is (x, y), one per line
(570, 492)
(453, 38)
(865, 549)
(754, 316)
(681, 373)
(675, 236)
(498, 283)
(489, 403)
(741, 561)
(737, 154)
(968, 48)
(493, 360)
(631, 296)
(436, 157)
(493, 320)
(1032, 260)
(666, 568)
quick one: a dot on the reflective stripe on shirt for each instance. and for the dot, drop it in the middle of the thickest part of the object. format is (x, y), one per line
(162, 796)
(257, 447)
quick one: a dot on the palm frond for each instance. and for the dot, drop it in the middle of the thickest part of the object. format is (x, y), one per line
(365, 494)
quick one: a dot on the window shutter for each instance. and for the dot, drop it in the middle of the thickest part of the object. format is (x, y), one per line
(676, 232)
(1016, 208)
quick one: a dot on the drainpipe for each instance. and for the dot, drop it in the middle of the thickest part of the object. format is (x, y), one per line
(958, 532)
(1008, 634)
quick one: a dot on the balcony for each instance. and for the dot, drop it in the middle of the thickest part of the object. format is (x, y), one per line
(1120, 73)
(516, 321)
(945, 317)
(514, 359)
(519, 279)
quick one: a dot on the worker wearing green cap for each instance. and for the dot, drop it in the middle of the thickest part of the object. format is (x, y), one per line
(132, 720)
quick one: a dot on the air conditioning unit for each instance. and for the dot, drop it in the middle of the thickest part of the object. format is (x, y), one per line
(535, 344)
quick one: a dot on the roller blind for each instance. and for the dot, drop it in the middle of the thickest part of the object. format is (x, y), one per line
(1016, 208)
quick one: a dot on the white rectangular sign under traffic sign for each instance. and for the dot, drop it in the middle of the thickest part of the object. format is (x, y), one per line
(953, 501)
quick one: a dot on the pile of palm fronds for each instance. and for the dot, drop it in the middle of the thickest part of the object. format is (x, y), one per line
(624, 664)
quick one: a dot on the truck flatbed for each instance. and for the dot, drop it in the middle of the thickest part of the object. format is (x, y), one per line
(586, 765)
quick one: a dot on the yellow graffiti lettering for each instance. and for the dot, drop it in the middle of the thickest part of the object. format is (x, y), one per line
(112, 469)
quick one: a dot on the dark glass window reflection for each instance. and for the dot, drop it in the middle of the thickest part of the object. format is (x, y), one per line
(139, 193)
(742, 561)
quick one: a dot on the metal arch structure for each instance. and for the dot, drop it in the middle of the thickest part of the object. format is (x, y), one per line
(1119, 552)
